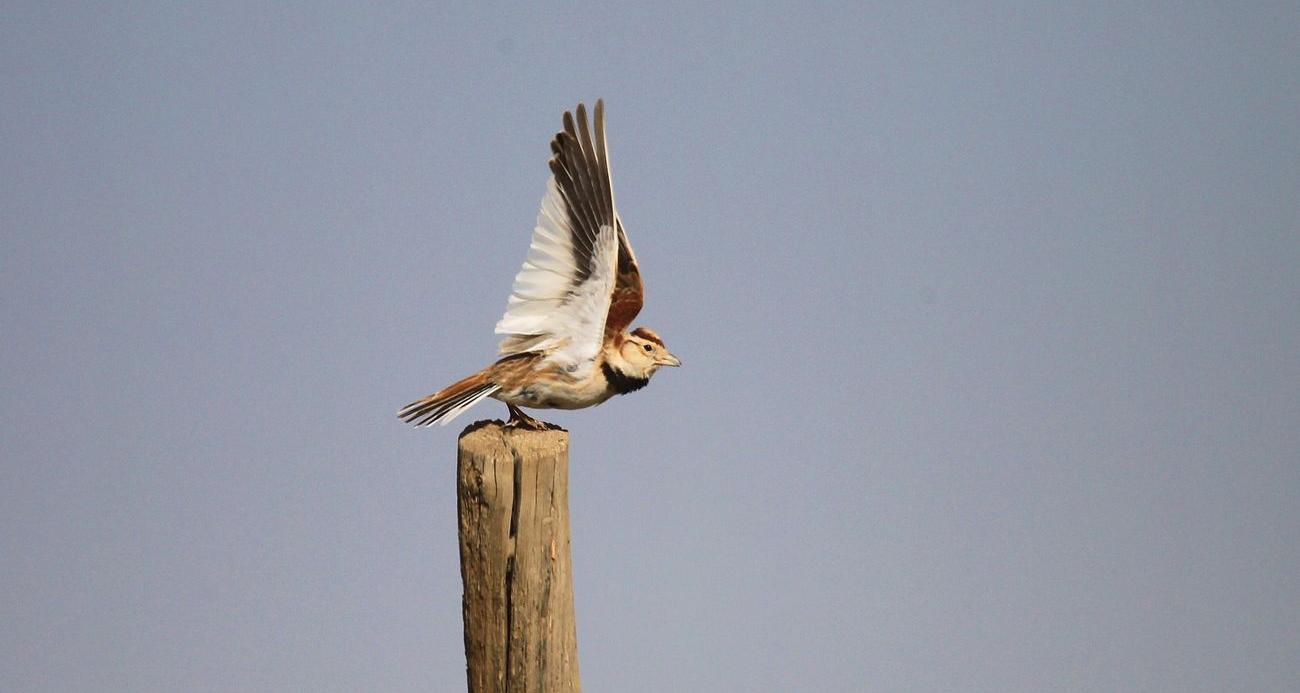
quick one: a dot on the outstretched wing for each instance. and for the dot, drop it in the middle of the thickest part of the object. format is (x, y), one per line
(562, 295)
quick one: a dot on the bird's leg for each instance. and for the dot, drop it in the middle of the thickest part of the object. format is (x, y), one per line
(518, 419)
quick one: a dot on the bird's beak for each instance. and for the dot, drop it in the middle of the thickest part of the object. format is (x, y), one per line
(670, 360)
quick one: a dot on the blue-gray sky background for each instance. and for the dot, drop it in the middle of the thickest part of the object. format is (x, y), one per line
(990, 317)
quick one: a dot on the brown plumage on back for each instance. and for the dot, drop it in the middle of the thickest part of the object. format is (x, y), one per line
(566, 344)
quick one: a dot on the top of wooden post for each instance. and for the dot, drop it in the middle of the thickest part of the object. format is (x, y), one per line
(492, 432)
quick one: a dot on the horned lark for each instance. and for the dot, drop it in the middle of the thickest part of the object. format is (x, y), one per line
(567, 345)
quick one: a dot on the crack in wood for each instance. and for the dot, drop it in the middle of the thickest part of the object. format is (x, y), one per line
(516, 496)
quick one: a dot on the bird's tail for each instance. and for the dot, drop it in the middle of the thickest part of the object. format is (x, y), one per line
(447, 403)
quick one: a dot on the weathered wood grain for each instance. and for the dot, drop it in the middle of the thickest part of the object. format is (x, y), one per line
(513, 505)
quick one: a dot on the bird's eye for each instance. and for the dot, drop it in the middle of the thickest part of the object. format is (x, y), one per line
(649, 348)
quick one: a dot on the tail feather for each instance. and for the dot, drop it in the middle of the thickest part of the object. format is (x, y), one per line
(448, 403)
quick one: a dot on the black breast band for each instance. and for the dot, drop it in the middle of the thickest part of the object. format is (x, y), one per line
(622, 384)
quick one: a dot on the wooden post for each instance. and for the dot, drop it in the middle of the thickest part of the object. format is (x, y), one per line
(513, 500)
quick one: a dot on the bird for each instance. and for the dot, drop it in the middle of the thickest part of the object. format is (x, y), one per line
(567, 344)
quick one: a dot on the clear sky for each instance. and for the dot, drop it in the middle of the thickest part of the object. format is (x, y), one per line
(990, 319)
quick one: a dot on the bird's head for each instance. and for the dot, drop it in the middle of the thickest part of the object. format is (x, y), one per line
(644, 352)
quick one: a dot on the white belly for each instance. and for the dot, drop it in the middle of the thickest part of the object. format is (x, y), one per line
(557, 394)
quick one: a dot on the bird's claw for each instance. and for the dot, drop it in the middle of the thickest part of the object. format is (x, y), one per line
(518, 419)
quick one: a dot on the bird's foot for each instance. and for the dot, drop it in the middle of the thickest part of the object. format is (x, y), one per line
(518, 419)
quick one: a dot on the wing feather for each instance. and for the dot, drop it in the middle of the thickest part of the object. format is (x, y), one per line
(629, 291)
(562, 295)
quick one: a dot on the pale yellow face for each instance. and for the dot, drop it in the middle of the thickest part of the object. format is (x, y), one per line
(646, 356)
